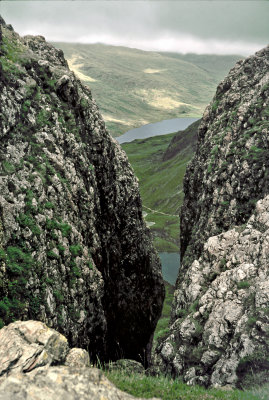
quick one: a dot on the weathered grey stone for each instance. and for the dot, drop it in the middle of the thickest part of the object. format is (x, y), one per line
(61, 383)
(77, 358)
(27, 345)
(220, 323)
(75, 252)
(129, 366)
(27, 351)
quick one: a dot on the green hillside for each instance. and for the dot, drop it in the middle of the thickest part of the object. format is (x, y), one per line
(159, 163)
(134, 87)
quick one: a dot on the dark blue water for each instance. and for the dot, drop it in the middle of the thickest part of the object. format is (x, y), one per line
(158, 128)
(170, 266)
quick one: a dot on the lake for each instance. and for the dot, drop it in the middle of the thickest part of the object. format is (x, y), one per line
(170, 266)
(158, 128)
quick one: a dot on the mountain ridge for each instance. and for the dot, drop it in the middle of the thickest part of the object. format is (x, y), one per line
(146, 86)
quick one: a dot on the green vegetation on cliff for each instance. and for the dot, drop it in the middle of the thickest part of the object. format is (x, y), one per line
(71, 228)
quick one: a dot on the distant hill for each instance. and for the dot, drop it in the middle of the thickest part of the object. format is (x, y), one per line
(160, 163)
(135, 87)
(183, 140)
(214, 64)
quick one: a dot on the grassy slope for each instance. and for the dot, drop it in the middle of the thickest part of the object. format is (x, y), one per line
(161, 181)
(212, 63)
(166, 388)
(133, 87)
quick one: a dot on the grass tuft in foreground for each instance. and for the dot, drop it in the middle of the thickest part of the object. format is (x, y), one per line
(140, 385)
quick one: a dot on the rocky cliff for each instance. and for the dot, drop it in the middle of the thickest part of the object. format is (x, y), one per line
(220, 321)
(183, 141)
(75, 252)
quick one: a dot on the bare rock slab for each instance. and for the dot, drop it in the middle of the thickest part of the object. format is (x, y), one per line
(32, 358)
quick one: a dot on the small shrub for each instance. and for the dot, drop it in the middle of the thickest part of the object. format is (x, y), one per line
(75, 250)
(52, 255)
(8, 167)
(194, 306)
(243, 285)
(222, 264)
(198, 330)
(26, 220)
(49, 205)
(90, 265)
(61, 248)
(65, 229)
(3, 255)
(58, 296)
(251, 322)
(215, 105)
(75, 270)
(182, 313)
(52, 224)
(214, 150)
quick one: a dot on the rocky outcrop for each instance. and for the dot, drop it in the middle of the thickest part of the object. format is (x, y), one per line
(183, 141)
(75, 252)
(220, 322)
(37, 363)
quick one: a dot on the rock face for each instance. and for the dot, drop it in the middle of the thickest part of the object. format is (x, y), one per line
(220, 316)
(37, 363)
(182, 141)
(75, 252)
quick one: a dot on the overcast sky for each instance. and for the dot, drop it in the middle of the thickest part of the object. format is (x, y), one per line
(220, 27)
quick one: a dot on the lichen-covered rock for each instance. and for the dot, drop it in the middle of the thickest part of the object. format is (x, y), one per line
(26, 345)
(229, 172)
(75, 252)
(77, 358)
(31, 361)
(62, 383)
(128, 366)
(219, 329)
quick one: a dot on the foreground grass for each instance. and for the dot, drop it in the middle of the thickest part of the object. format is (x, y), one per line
(140, 385)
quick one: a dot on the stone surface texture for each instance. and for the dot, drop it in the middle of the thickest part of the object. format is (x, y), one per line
(219, 330)
(74, 250)
(31, 359)
(129, 366)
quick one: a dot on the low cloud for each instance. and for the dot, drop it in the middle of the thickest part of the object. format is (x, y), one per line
(179, 44)
(220, 27)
